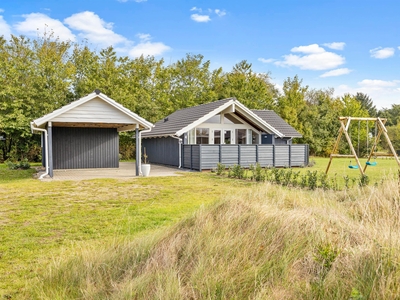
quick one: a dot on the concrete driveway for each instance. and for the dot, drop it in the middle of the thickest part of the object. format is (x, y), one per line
(126, 170)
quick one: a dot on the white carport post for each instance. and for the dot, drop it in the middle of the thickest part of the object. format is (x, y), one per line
(137, 149)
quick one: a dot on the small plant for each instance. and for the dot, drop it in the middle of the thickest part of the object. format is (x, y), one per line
(237, 171)
(22, 165)
(220, 169)
(145, 161)
(312, 179)
(252, 171)
(364, 180)
(356, 295)
(258, 173)
(325, 256)
(324, 181)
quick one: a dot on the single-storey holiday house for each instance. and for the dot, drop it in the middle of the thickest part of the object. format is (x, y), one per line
(226, 132)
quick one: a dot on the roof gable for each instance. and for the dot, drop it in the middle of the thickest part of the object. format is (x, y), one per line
(94, 108)
(186, 119)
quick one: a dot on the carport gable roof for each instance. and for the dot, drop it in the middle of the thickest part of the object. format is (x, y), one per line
(272, 118)
(183, 120)
(127, 121)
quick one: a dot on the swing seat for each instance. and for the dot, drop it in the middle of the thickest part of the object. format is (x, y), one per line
(372, 164)
(353, 167)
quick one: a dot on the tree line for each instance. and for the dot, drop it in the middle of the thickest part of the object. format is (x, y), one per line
(40, 75)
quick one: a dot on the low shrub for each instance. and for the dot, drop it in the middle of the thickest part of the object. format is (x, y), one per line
(22, 165)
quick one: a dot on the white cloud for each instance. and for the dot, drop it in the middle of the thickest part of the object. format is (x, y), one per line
(382, 53)
(383, 93)
(378, 84)
(314, 48)
(266, 61)
(146, 48)
(144, 36)
(1, 10)
(5, 29)
(39, 24)
(337, 72)
(335, 45)
(314, 61)
(203, 16)
(200, 18)
(220, 13)
(94, 29)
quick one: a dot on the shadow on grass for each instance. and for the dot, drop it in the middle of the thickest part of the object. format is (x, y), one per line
(7, 175)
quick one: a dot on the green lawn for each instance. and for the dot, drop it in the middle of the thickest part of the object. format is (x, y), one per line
(40, 220)
(385, 168)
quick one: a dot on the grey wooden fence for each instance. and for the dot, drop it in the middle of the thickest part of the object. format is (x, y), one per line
(206, 157)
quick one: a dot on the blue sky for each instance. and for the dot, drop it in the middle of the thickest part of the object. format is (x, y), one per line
(349, 45)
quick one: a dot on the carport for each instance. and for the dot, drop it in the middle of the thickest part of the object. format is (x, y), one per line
(84, 134)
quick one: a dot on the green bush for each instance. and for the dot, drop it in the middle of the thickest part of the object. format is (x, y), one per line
(22, 165)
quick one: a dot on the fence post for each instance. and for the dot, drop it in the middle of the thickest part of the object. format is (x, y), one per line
(220, 153)
(273, 155)
(290, 156)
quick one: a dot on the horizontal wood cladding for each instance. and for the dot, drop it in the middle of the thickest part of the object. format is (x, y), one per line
(81, 148)
(206, 157)
(94, 111)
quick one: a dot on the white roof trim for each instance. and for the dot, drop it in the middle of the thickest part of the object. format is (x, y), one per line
(258, 120)
(204, 118)
(46, 118)
(235, 104)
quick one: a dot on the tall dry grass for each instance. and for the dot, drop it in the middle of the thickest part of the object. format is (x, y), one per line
(265, 243)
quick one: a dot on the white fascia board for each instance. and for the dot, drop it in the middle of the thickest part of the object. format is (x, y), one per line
(204, 118)
(252, 116)
(46, 118)
(130, 113)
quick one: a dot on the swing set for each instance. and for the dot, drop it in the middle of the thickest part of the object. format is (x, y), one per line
(379, 130)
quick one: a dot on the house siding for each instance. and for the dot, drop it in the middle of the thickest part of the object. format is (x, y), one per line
(81, 148)
(164, 151)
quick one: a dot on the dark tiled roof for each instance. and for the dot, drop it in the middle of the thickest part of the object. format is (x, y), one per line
(182, 118)
(277, 122)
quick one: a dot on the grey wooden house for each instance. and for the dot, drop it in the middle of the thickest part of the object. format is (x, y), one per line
(226, 132)
(84, 133)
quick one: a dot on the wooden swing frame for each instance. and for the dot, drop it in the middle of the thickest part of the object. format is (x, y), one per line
(344, 127)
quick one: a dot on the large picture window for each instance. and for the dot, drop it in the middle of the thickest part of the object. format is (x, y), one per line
(241, 136)
(202, 135)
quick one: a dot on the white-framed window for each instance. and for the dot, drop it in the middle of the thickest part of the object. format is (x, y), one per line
(192, 136)
(202, 135)
(241, 136)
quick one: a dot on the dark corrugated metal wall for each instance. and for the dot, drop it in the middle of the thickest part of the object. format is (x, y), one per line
(163, 151)
(81, 148)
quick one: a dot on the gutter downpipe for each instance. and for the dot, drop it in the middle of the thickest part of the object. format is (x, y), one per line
(46, 145)
(180, 149)
(140, 149)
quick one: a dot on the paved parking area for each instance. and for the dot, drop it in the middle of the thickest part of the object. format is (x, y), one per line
(126, 170)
